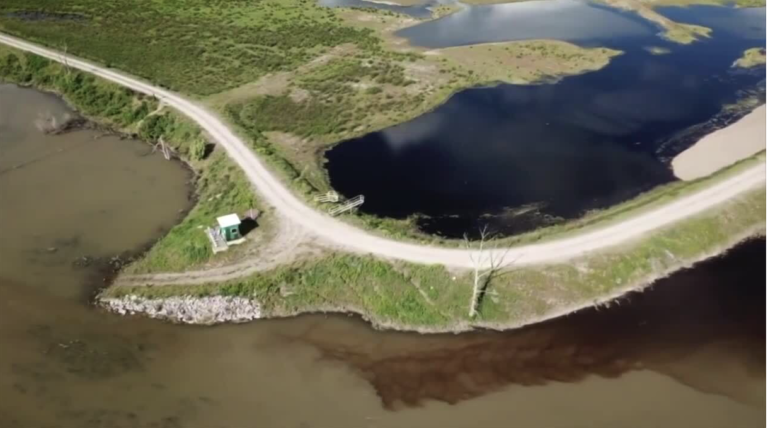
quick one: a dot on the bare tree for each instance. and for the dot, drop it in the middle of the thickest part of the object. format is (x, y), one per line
(165, 150)
(485, 262)
(65, 60)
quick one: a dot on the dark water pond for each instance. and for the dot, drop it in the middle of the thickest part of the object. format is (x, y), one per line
(516, 157)
(688, 353)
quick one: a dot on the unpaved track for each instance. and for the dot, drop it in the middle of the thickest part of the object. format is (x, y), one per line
(339, 234)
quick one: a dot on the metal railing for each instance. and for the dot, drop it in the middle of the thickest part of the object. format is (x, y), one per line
(347, 205)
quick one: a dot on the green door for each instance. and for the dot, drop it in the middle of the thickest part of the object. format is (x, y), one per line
(233, 233)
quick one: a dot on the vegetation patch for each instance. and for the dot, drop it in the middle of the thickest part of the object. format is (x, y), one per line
(404, 294)
(751, 58)
(193, 46)
(672, 31)
(526, 61)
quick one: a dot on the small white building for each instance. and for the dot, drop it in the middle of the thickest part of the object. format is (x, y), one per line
(227, 233)
(230, 227)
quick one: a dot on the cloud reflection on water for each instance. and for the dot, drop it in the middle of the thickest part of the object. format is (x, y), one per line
(569, 20)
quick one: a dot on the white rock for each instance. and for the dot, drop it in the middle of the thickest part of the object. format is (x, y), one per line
(189, 310)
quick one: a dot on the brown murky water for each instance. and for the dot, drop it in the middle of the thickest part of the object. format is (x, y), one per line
(77, 194)
(689, 353)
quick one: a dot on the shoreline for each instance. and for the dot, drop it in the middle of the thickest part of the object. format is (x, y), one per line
(217, 310)
(723, 147)
(108, 268)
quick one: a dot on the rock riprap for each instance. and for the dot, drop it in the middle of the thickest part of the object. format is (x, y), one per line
(187, 309)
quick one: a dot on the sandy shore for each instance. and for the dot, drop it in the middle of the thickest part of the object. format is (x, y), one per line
(723, 147)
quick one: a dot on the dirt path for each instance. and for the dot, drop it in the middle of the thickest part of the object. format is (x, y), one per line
(332, 232)
(291, 243)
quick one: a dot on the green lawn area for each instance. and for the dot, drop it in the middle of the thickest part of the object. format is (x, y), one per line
(198, 47)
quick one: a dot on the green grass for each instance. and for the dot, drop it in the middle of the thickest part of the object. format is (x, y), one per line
(281, 113)
(195, 46)
(221, 188)
(429, 298)
(361, 284)
(596, 277)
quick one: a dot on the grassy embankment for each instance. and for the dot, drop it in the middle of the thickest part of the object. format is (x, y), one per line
(294, 77)
(220, 186)
(429, 298)
(751, 58)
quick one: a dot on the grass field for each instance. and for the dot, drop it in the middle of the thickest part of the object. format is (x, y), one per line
(198, 47)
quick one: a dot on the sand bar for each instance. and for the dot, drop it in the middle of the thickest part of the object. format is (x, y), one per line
(723, 147)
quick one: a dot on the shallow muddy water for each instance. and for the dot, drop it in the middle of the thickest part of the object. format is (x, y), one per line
(689, 353)
(518, 157)
(81, 194)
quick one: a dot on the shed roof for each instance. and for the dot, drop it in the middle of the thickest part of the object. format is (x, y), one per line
(228, 220)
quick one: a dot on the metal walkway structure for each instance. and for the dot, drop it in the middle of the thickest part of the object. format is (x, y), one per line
(347, 205)
(218, 243)
(330, 196)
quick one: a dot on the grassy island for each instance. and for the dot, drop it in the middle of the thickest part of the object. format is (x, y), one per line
(751, 58)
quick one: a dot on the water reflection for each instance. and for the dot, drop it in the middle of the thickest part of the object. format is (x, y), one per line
(571, 20)
(748, 23)
(704, 327)
(518, 157)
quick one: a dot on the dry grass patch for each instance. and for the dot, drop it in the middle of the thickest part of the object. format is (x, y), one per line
(751, 58)
(673, 31)
(525, 61)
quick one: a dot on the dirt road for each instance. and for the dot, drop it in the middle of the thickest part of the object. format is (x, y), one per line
(339, 234)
